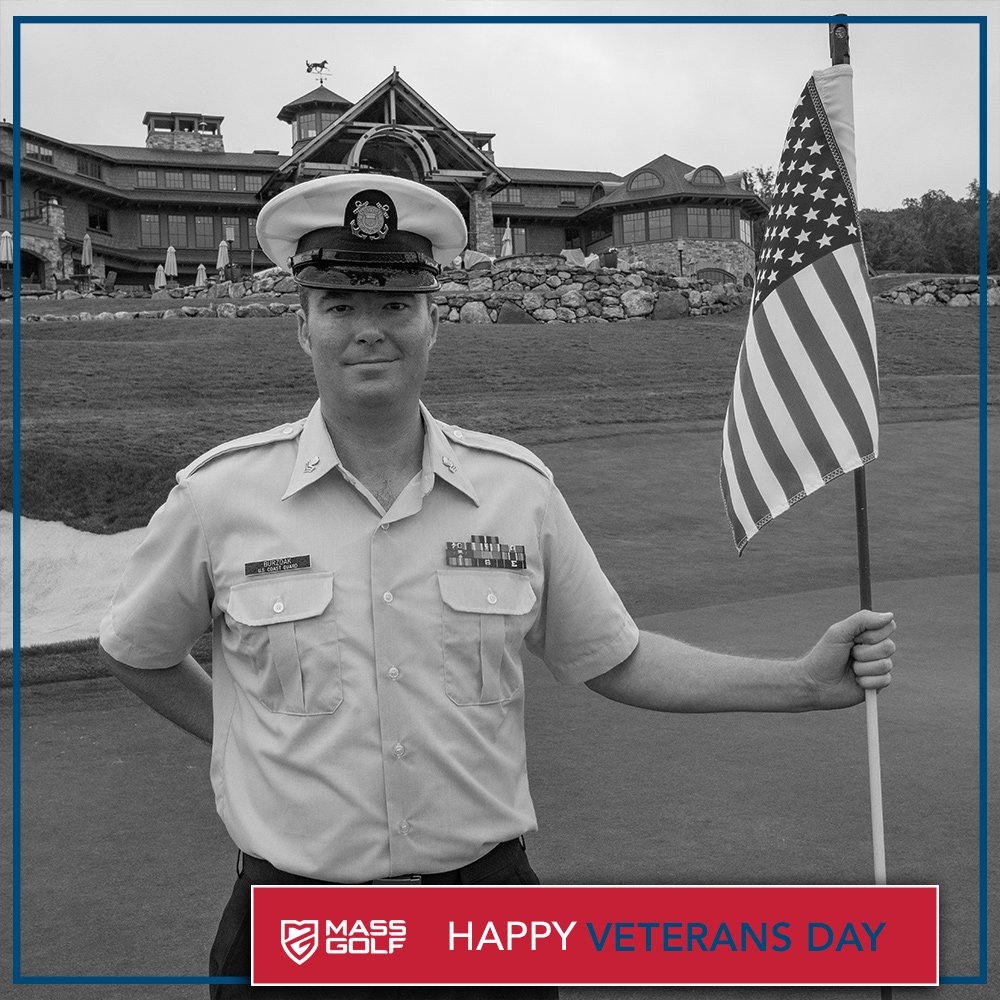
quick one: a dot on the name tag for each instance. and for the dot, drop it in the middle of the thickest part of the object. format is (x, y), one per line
(279, 565)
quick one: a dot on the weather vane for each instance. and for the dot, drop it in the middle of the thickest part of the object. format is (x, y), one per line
(318, 69)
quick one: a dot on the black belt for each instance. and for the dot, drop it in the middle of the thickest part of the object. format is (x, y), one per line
(261, 872)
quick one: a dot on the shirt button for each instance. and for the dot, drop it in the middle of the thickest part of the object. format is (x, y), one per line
(393, 672)
(278, 607)
(404, 827)
(384, 527)
(398, 750)
(387, 597)
(459, 435)
(491, 597)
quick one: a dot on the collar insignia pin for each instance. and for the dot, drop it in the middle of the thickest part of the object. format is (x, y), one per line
(312, 463)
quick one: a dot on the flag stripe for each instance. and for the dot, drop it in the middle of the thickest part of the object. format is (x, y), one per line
(756, 508)
(841, 279)
(781, 420)
(770, 443)
(739, 516)
(771, 490)
(792, 395)
(813, 340)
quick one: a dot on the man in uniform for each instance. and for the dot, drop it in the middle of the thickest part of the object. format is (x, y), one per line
(371, 575)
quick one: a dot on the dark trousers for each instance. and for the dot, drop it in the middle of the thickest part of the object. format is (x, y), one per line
(506, 864)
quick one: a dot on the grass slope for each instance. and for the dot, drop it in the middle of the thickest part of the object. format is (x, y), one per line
(110, 411)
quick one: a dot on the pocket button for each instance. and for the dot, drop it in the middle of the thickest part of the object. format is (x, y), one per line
(278, 606)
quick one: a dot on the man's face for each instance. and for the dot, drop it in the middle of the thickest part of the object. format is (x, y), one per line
(369, 349)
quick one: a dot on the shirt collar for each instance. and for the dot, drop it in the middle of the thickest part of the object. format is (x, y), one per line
(316, 456)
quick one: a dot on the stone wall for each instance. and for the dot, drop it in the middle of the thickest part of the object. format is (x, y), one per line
(481, 223)
(946, 290)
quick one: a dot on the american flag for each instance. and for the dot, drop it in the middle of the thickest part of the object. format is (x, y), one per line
(804, 407)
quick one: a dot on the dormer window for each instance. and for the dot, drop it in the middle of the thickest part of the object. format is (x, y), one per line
(644, 180)
(709, 176)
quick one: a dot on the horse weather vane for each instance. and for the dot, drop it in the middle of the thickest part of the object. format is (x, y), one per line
(318, 69)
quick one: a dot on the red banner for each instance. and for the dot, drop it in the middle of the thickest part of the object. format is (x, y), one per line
(810, 935)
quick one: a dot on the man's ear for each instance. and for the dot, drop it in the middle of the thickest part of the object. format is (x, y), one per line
(303, 331)
(435, 316)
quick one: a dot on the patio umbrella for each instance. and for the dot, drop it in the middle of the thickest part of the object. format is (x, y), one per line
(6, 248)
(223, 259)
(160, 281)
(87, 253)
(201, 277)
(507, 243)
(170, 268)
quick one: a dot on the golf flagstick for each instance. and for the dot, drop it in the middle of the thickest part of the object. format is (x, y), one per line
(840, 53)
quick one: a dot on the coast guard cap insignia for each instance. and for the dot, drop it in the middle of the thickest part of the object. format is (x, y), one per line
(372, 217)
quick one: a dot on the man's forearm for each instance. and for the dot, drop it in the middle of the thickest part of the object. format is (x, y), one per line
(182, 693)
(667, 675)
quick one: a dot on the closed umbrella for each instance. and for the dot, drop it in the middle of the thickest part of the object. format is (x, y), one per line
(170, 269)
(87, 253)
(160, 281)
(223, 259)
(201, 277)
(507, 243)
(6, 248)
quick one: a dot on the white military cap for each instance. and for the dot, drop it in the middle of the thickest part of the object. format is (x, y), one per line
(362, 232)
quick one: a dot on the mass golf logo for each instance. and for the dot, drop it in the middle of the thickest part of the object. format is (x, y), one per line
(299, 939)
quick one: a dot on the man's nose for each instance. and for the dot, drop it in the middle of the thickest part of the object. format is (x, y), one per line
(368, 330)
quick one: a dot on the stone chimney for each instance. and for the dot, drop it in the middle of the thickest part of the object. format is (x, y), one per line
(183, 130)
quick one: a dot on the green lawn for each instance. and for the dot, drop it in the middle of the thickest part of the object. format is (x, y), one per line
(110, 411)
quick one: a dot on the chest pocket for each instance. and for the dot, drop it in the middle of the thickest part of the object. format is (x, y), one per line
(286, 642)
(484, 617)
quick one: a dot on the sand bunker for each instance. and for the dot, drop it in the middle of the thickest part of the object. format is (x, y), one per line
(67, 579)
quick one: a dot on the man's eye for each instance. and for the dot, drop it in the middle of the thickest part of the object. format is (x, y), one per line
(396, 306)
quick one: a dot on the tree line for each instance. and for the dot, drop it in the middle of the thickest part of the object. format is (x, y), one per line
(934, 232)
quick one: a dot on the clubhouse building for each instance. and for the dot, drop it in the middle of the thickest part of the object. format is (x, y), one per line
(182, 189)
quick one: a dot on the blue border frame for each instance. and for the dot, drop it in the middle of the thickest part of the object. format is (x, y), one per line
(981, 977)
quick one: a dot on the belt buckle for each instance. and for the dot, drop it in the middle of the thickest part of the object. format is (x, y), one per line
(398, 880)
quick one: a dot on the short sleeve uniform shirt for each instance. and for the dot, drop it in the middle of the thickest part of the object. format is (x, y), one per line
(367, 679)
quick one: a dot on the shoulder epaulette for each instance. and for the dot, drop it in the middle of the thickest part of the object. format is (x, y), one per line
(283, 432)
(497, 445)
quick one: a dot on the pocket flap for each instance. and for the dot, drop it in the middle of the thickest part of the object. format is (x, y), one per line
(486, 592)
(280, 598)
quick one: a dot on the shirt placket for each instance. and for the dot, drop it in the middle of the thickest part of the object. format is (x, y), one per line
(399, 755)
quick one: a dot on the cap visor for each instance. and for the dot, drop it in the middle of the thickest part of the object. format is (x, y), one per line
(368, 279)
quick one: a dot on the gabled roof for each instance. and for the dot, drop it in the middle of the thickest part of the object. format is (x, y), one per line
(320, 96)
(542, 175)
(404, 94)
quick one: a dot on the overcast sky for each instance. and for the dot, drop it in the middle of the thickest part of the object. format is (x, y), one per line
(579, 96)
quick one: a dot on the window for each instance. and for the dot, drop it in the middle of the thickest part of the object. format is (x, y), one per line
(509, 196)
(715, 275)
(567, 196)
(326, 118)
(88, 166)
(518, 239)
(634, 227)
(177, 230)
(721, 223)
(6, 198)
(204, 232)
(145, 178)
(97, 218)
(33, 151)
(173, 179)
(149, 230)
(746, 231)
(707, 175)
(163, 125)
(252, 234)
(201, 182)
(227, 182)
(307, 126)
(659, 224)
(231, 225)
(697, 222)
(252, 182)
(645, 179)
